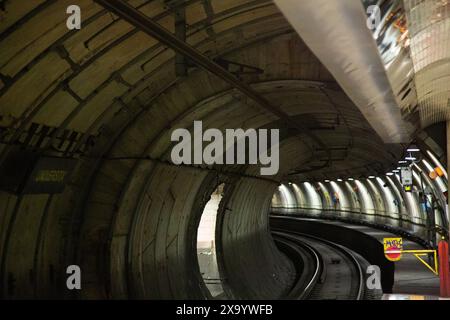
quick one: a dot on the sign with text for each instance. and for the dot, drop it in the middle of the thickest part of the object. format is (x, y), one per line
(406, 176)
(393, 248)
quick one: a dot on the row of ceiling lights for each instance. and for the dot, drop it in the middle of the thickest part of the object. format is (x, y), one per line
(408, 159)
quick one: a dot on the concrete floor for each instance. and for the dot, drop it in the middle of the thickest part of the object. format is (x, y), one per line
(208, 267)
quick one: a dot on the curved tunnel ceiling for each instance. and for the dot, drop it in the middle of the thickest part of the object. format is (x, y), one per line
(109, 96)
(78, 81)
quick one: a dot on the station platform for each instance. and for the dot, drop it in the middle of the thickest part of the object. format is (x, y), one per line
(411, 278)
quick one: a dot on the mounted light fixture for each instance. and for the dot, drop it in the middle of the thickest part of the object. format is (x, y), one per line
(413, 148)
(371, 177)
(390, 174)
(340, 180)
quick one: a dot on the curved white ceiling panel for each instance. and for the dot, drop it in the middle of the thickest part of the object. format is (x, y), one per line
(429, 28)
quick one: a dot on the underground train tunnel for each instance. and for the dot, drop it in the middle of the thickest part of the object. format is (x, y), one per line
(224, 149)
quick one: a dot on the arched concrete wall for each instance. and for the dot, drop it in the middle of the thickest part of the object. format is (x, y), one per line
(418, 183)
(325, 195)
(112, 207)
(354, 196)
(344, 200)
(367, 204)
(312, 196)
(398, 194)
(439, 198)
(278, 199)
(388, 196)
(384, 195)
(288, 196)
(377, 197)
(299, 195)
(246, 214)
(410, 200)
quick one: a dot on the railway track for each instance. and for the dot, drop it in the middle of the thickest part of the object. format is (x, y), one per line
(325, 270)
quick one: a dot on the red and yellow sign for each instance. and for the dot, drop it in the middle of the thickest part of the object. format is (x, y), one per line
(393, 248)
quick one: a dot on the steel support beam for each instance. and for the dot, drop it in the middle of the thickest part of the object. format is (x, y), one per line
(180, 32)
(152, 28)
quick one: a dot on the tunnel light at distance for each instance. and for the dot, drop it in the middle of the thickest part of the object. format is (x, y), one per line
(371, 177)
(402, 161)
(327, 180)
(340, 180)
(350, 179)
(390, 174)
(410, 158)
(413, 148)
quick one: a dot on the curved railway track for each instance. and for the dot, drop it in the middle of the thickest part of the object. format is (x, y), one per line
(325, 270)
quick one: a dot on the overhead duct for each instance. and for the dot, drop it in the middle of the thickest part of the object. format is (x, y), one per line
(337, 33)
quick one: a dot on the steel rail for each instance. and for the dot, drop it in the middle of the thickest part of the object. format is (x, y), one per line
(354, 260)
(348, 253)
(283, 238)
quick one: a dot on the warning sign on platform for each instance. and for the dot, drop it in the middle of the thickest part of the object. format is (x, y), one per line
(393, 248)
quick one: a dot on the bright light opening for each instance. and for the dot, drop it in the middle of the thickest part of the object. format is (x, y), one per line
(206, 244)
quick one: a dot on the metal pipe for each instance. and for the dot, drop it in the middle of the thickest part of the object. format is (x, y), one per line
(180, 32)
(147, 25)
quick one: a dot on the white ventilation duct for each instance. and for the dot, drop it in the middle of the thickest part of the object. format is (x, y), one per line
(337, 33)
